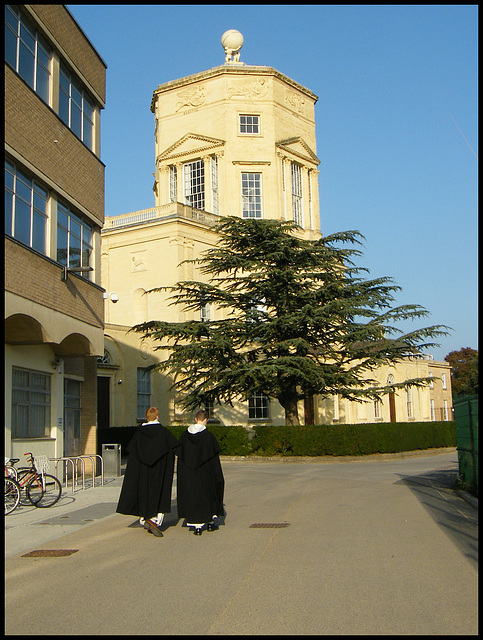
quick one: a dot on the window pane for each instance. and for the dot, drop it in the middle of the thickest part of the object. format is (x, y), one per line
(42, 87)
(43, 54)
(11, 18)
(74, 251)
(62, 246)
(87, 133)
(27, 36)
(26, 65)
(10, 48)
(64, 107)
(22, 222)
(38, 234)
(8, 212)
(23, 189)
(76, 95)
(75, 119)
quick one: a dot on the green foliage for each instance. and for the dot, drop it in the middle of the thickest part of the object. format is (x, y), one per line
(315, 440)
(299, 321)
(464, 371)
(233, 441)
(352, 440)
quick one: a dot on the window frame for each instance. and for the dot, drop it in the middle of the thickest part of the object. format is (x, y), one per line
(297, 193)
(18, 207)
(173, 183)
(74, 100)
(194, 184)
(31, 393)
(252, 203)
(258, 406)
(83, 243)
(35, 45)
(255, 122)
(143, 395)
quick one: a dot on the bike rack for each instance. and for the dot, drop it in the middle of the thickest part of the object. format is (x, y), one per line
(73, 460)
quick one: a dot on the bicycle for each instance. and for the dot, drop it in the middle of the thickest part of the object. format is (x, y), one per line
(41, 489)
(12, 495)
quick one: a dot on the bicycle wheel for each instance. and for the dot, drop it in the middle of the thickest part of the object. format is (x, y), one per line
(44, 491)
(12, 495)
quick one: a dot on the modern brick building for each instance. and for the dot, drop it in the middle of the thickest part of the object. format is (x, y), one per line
(54, 212)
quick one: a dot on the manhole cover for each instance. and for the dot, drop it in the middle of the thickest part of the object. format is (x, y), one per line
(269, 525)
(50, 553)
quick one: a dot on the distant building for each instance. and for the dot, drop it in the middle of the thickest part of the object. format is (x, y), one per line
(233, 140)
(54, 211)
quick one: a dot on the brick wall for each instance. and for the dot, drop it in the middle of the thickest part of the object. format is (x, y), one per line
(39, 279)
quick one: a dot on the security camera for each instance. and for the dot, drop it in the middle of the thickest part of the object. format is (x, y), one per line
(114, 297)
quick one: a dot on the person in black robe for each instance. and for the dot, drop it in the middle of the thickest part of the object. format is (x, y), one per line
(200, 481)
(147, 485)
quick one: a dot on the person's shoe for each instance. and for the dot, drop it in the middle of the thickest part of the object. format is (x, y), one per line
(212, 526)
(197, 531)
(154, 528)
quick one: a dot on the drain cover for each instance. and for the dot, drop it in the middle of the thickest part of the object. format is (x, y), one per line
(269, 525)
(50, 553)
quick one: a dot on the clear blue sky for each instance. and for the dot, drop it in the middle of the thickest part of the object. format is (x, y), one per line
(396, 125)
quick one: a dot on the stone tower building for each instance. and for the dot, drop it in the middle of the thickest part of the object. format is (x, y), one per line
(234, 140)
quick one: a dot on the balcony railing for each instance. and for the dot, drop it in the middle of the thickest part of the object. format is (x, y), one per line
(156, 214)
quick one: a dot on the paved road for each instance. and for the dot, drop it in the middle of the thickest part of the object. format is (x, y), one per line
(373, 547)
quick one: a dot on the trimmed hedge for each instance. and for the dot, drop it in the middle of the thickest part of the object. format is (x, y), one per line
(317, 440)
(353, 439)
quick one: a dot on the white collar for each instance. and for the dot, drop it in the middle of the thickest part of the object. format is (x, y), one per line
(196, 428)
(150, 422)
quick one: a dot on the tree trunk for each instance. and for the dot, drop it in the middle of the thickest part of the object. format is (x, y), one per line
(289, 403)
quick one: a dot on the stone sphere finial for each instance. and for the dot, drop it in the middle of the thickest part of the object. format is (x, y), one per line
(232, 42)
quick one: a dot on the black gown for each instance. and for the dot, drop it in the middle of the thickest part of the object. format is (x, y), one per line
(147, 485)
(200, 481)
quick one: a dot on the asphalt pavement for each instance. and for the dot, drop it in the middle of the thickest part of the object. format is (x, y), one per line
(382, 545)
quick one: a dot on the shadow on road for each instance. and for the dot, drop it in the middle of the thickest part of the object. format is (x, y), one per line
(435, 490)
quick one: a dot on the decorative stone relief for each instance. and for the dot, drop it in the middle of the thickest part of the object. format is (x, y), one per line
(191, 98)
(137, 262)
(255, 90)
(295, 101)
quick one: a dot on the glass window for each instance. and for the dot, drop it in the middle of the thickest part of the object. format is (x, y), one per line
(205, 313)
(173, 183)
(409, 402)
(249, 124)
(259, 407)
(27, 52)
(74, 239)
(75, 107)
(25, 208)
(214, 185)
(445, 410)
(143, 392)
(297, 194)
(30, 404)
(252, 195)
(194, 184)
(377, 409)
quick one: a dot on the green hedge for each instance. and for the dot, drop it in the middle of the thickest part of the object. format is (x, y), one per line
(353, 439)
(318, 440)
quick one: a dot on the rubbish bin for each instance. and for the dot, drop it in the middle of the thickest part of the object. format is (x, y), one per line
(111, 459)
